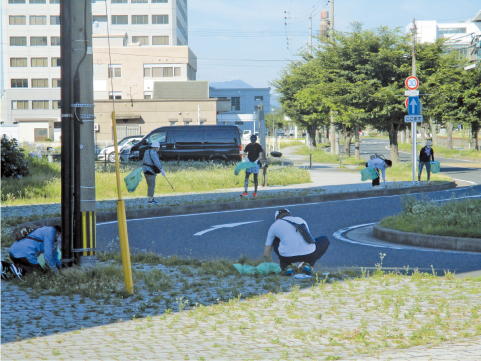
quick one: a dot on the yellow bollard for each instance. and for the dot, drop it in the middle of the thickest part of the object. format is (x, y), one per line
(122, 220)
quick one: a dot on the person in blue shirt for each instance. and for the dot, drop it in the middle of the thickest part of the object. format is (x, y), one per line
(24, 252)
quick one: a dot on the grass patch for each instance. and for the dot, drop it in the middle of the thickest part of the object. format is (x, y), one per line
(293, 143)
(321, 156)
(42, 185)
(455, 218)
(440, 151)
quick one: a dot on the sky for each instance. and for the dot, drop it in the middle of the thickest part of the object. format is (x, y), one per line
(248, 39)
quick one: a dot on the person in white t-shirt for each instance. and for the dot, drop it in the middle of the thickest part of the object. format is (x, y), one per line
(290, 246)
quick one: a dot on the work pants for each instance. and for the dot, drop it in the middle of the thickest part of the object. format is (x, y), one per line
(322, 244)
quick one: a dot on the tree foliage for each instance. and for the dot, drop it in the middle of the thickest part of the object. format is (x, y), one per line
(13, 159)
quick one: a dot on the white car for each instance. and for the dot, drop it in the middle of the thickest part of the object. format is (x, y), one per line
(108, 153)
(246, 134)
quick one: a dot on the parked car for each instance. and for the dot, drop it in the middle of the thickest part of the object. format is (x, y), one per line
(246, 134)
(109, 152)
(217, 143)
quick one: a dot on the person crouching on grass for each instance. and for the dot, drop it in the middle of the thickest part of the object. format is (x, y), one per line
(254, 152)
(291, 246)
(379, 165)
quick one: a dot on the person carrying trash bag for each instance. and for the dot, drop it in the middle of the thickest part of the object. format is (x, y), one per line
(151, 167)
(254, 152)
(291, 240)
(379, 164)
(24, 252)
(425, 156)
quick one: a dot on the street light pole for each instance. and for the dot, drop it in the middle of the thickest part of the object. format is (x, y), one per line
(414, 130)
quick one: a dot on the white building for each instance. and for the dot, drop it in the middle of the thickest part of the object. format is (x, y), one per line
(459, 34)
(30, 52)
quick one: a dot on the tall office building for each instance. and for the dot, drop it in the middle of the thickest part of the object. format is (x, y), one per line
(30, 62)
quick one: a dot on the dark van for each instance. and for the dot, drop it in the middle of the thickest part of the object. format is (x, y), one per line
(217, 143)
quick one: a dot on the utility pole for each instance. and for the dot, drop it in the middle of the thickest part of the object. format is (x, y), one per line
(78, 148)
(414, 131)
(310, 34)
(332, 131)
(262, 126)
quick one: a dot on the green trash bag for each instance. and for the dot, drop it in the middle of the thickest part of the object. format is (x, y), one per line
(368, 173)
(263, 269)
(243, 165)
(133, 179)
(435, 167)
(41, 258)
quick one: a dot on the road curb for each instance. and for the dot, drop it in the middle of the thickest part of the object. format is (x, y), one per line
(425, 240)
(248, 204)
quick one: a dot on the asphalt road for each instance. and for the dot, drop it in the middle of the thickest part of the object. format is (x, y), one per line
(231, 234)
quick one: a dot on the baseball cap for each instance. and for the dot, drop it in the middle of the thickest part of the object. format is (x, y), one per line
(282, 210)
(253, 138)
(155, 145)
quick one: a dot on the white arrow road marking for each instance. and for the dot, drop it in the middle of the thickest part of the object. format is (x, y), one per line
(228, 225)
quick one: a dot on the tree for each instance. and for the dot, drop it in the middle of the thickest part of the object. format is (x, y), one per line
(13, 159)
(471, 112)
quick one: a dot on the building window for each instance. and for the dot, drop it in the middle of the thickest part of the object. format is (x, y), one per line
(38, 20)
(258, 98)
(159, 1)
(56, 104)
(157, 72)
(160, 40)
(119, 1)
(140, 19)
(147, 95)
(115, 95)
(18, 62)
(168, 72)
(41, 134)
(177, 71)
(235, 104)
(143, 40)
(120, 19)
(182, 29)
(160, 19)
(115, 71)
(55, 62)
(17, 20)
(19, 104)
(38, 41)
(39, 83)
(99, 18)
(55, 40)
(39, 104)
(18, 41)
(449, 31)
(147, 73)
(39, 62)
(16, 1)
(19, 83)
(54, 20)
(180, 8)
(54, 1)
(55, 83)
(37, 1)
(139, 1)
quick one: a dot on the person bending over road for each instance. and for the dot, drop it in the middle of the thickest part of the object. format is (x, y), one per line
(24, 252)
(379, 165)
(254, 152)
(425, 156)
(151, 166)
(290, 245)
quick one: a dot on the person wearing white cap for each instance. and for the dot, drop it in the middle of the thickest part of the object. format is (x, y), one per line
(151, 166)
(291, 240)
(426, 154)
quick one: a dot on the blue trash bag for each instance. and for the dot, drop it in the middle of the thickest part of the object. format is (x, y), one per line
(133, 179)
(243, 165)
(368, 173)
(435, 167)
(262, 269)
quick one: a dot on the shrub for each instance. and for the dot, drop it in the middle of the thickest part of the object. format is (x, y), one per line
(13, 159)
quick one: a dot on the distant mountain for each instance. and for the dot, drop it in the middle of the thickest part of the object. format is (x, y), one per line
(237, 83)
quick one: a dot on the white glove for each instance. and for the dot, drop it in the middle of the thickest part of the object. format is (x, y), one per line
(163, 172)
(257, 160)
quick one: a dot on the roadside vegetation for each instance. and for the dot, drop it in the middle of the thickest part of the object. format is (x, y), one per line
(455, 218)
(42, 184)
(440, 151)
(320, 155)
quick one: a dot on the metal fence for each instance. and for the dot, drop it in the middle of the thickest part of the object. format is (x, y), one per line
(127, 130)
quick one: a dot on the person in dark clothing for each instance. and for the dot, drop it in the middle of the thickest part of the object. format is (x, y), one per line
(151, 166)
(254, 152)
(425, 156)
(290, 246)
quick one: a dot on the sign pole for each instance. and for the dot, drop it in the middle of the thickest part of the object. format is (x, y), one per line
(413, 129)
